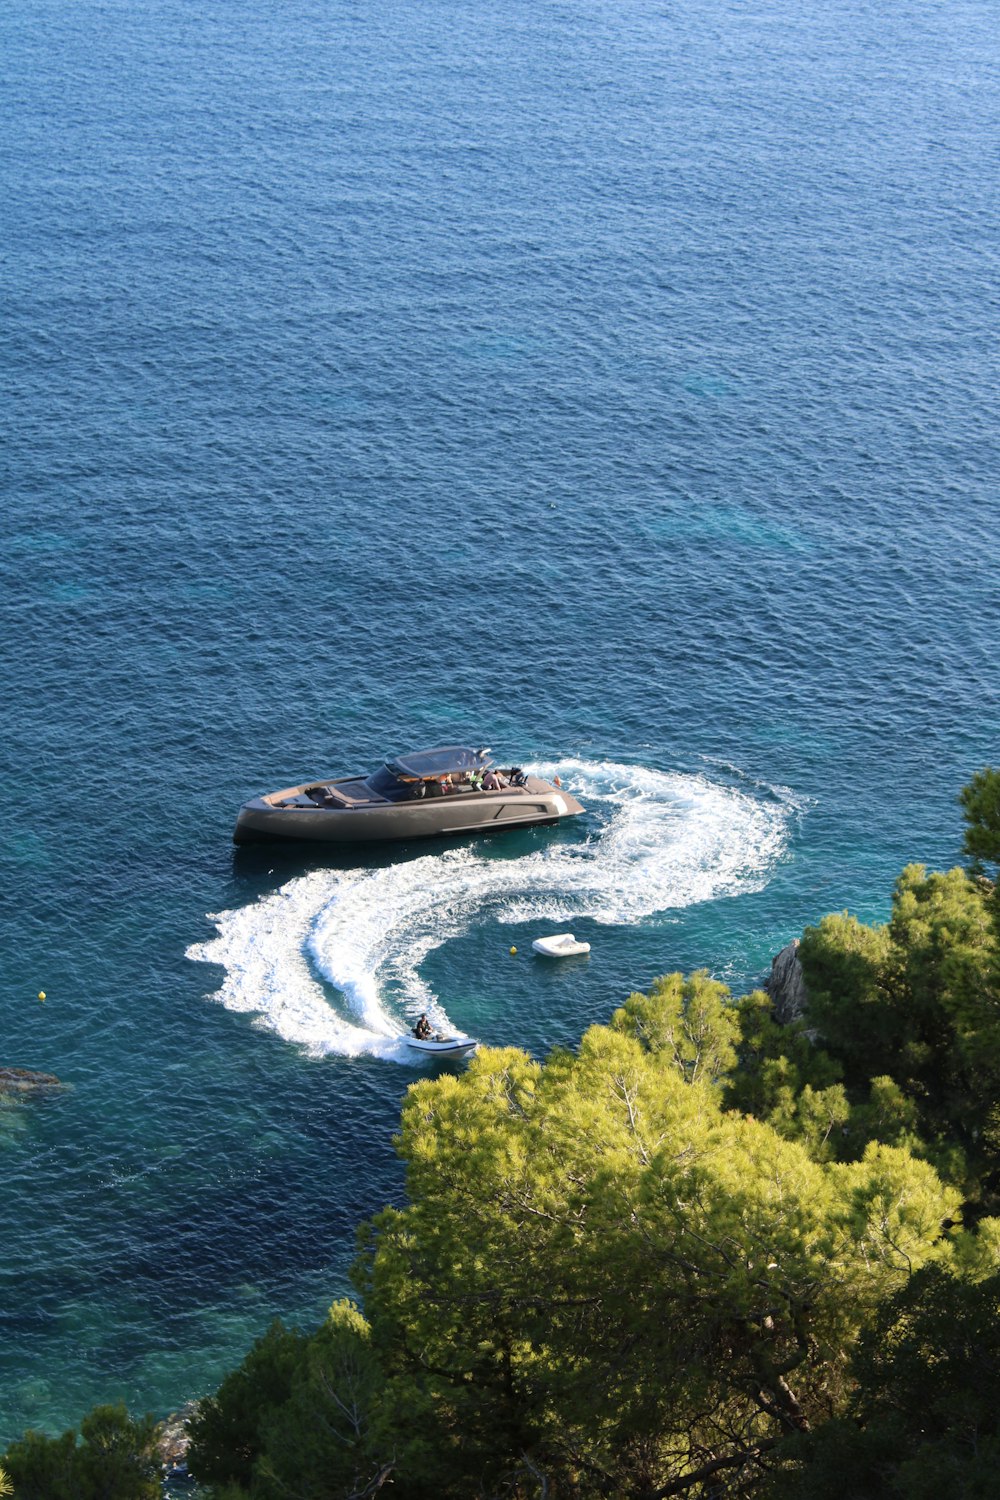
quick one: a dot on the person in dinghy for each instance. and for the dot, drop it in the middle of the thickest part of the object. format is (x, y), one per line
(423, 1038)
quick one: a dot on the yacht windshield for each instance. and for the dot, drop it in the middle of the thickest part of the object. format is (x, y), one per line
(385, 784)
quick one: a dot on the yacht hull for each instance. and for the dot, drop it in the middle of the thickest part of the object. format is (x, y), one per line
(456, 815)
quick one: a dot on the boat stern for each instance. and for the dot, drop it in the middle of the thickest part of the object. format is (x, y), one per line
(559, 802)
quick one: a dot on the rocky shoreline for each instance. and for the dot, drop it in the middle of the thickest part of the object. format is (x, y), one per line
(172, 1446)
(27, 1081)
(787, 986)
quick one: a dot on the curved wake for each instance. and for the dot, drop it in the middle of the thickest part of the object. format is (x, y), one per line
(331, 961)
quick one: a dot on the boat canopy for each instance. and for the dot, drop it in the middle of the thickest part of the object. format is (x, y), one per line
(421, 764)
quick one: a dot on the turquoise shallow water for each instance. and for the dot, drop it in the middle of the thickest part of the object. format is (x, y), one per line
(613, 385)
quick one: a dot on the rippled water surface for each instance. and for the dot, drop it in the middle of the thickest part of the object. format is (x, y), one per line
(612, 384)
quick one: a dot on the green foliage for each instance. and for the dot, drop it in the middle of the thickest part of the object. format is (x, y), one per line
(977, 1252)
(323, 1441)
(603, 1282)
(687, 1023)
(819, 1120)
(43, 1468)
(227, 1431)
(944, 944)
(886, 1115)
(298, 1418)
(925, 1417)
(911, 1011)
(981, 809)
(114, 1459)
(847, 968)
(784, 1078)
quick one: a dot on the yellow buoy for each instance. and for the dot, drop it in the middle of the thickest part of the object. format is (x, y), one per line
(41, 994)
(513, 950)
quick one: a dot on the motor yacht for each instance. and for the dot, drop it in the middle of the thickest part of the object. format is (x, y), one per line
(451, 790)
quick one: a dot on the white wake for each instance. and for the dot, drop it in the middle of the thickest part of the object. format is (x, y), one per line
(332, 960)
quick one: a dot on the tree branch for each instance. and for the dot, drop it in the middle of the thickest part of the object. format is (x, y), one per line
(715, 1466)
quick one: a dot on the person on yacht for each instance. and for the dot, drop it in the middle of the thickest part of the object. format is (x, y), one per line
(422, 1031)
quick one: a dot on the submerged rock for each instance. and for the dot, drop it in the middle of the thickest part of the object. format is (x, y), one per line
(787, 985)
(25, 1081)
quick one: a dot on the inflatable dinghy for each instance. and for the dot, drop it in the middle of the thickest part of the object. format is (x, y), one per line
(440, 1045)
(562, 945)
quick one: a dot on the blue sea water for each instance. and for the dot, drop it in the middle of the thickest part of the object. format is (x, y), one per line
(615, 384)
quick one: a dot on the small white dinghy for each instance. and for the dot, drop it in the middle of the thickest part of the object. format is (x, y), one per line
(440, 1045)
(562, 945)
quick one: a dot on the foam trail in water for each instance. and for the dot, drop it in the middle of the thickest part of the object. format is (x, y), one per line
(658, 841)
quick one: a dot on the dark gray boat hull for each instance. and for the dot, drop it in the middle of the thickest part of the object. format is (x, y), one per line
(457, 814)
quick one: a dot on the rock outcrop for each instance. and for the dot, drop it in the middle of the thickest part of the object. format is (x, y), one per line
(172, 1447)
(787, 986)
(24, 1081)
